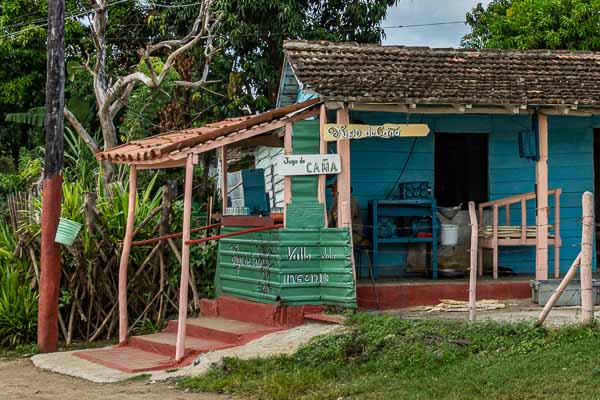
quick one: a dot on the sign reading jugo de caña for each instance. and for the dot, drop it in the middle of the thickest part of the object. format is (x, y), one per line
(335, 132)
(308, 164)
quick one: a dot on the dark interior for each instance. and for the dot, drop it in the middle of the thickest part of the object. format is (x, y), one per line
(461, 168)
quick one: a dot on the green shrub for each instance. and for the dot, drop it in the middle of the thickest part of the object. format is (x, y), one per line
(18, 309)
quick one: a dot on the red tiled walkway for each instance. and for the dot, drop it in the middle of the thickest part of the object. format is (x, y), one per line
(157, 351)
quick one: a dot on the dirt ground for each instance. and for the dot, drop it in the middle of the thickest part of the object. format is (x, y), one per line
(514, 311)
(19, 379)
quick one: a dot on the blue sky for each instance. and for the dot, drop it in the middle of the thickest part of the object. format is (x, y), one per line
(428, 11)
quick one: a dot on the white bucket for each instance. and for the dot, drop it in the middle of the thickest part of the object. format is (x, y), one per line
(449, 235)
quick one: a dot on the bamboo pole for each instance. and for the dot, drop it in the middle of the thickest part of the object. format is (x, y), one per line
(559, 290)
(587, 301)
(124, 262)
(541, 180)
(473, 265)
(185, 259)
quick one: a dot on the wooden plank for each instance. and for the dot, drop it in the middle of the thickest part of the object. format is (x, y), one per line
(160, 165)
(224, 168)
(185, 259)
(124, 262)
(541, 179)
(321, 194)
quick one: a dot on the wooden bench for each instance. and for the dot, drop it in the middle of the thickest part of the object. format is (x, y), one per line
(493, 236)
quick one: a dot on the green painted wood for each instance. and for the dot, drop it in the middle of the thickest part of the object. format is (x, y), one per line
(304, 210)
(289, 266)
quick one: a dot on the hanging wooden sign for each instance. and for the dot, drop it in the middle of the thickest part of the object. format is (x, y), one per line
(308, 164)
(334, 132)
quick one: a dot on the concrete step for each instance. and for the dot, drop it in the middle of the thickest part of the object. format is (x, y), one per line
(222, 329)
(127, 359)
(165, 343)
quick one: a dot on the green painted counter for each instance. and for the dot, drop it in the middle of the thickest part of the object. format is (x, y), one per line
(290, 266)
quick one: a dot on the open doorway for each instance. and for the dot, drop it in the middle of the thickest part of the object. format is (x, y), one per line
(461, 168)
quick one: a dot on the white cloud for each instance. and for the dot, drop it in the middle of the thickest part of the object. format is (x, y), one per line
(409, 12)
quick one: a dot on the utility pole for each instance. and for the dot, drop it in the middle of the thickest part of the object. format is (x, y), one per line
(52, 186)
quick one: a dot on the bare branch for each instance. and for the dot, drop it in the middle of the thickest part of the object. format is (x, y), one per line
(199, 85)
(200, 30)
(122, 101)
(81, 131)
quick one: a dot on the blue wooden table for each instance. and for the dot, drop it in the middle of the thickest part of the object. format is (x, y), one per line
(403, 208)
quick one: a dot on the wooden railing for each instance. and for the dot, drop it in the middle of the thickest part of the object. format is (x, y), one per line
(516, 238)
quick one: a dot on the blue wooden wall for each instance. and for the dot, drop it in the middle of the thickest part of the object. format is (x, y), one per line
(376, 164)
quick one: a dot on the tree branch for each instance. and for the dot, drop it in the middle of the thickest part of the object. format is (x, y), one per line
(81, 131)
(122, 101)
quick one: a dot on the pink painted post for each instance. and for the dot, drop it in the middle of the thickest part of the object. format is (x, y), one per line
(123, 323)
(185, 259)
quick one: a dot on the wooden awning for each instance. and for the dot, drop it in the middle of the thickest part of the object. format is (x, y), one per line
(171, 149)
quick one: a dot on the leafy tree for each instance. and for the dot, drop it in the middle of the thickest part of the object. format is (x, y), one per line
(253, 33)
(535, 24)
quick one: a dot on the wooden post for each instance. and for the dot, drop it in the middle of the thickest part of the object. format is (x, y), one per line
(323, 150)
(51, 202)
(559, 290)
(223, 156)
(495, 244)
(523, 220)
(185, 259)
(344, 217)
(557, 240)
(587, 240)
(541, 180)
(124, 263)
(473, 264)
(344, 199)
(287, 180)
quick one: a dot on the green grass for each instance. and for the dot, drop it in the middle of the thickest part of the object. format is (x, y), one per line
(381, 357)
(19, 351)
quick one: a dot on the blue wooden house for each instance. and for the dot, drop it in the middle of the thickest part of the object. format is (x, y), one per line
(375, 139)
(522, 125)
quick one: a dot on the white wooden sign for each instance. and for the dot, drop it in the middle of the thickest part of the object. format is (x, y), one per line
(309, 164)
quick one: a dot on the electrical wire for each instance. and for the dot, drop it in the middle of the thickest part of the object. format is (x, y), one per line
(193, 4)
(71, 16)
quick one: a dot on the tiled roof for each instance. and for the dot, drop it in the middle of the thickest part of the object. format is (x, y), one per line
(170, 146)
(394, 74)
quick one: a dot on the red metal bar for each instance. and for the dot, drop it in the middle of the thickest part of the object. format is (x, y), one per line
(225, 235)
(173, 235)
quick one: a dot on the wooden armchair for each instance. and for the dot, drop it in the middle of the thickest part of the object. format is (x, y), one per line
(493, 236)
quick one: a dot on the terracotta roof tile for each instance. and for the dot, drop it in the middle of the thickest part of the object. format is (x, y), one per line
(159, 147)
(397, 74)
